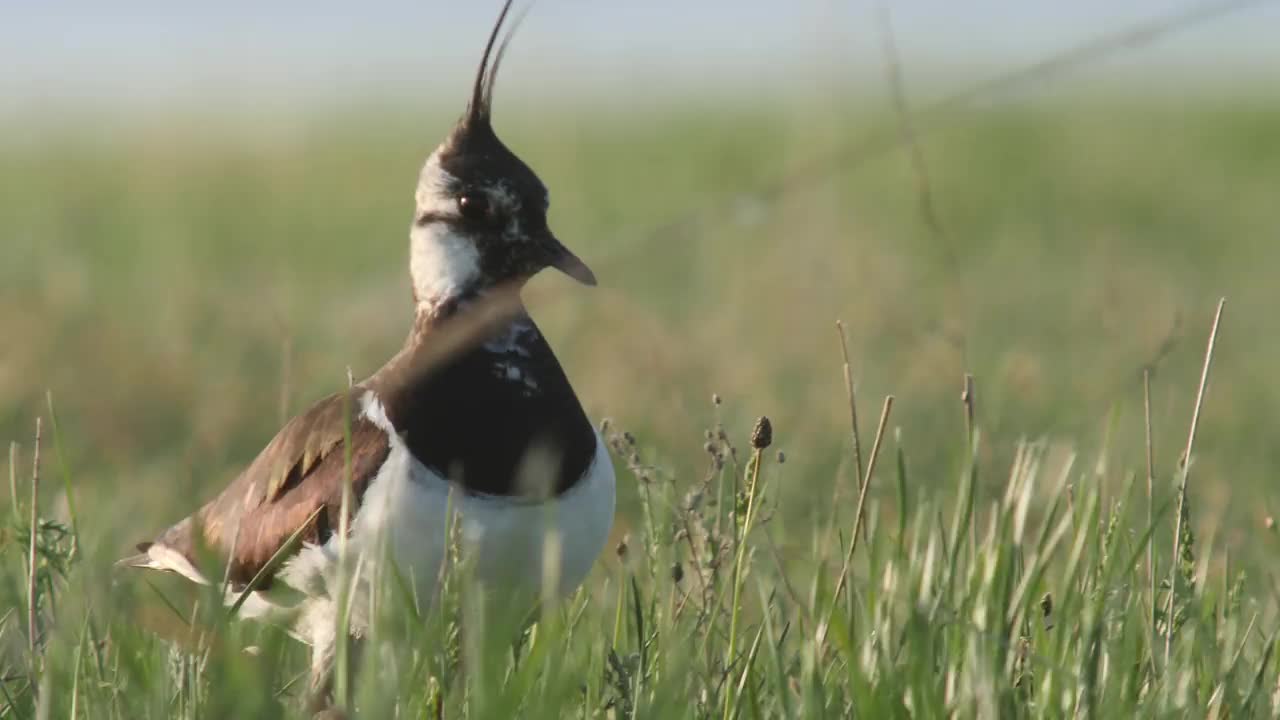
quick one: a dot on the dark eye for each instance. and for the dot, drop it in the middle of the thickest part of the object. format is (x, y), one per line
(473, 205)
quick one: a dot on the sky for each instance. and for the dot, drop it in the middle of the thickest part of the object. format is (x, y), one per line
(139, 53)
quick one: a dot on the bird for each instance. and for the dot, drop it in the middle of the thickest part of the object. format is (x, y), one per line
(472, 422)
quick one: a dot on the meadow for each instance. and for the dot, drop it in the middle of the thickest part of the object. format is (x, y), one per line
(173, 286)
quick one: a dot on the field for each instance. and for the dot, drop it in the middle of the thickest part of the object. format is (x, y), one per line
(171, 288)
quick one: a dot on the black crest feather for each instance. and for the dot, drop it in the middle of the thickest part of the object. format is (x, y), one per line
(479, 110)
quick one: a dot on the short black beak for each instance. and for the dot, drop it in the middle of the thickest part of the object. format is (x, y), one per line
(563, 259)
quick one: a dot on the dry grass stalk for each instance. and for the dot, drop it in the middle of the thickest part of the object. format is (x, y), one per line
(853, 408)
(858, 524)
(32, 630)
(1186, 471)
(1151, 498)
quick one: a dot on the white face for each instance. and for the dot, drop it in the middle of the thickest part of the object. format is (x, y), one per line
(479, 220)
(442, 261)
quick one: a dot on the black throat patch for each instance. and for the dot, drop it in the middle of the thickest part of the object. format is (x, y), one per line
(498, 418)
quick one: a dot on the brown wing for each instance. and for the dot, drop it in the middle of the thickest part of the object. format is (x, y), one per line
(297, 479)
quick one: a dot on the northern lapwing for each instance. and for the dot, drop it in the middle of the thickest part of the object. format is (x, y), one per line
(474, 415)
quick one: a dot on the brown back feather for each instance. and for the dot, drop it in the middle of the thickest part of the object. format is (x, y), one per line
(301, 471)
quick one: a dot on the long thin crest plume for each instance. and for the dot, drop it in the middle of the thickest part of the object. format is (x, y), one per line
(502, 52)
(480, 108)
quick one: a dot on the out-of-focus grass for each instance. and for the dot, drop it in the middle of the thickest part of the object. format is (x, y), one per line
(160, 279)
(181, 286)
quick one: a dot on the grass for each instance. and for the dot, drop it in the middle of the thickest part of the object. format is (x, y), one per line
(179, 288)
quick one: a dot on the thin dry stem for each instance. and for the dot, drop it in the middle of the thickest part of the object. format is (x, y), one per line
(13, 479)
(936, 115)
(968, 396)
(875, 454)
(1151, 498)
(32, 634)
(342, 661)
(1186, 472)
(853, 409)
(862, 499)
(286, 377)
(752, 491)
(235, 543)
(924, 188)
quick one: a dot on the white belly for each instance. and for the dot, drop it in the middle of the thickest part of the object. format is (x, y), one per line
(512, 546)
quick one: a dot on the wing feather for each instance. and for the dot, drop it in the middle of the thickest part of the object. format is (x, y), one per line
(300, 472)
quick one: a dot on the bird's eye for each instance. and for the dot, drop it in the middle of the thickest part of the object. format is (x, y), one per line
(473, 205)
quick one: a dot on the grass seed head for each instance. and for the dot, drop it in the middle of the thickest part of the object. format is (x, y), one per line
(762, 435)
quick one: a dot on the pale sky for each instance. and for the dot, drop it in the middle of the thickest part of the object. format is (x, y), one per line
(140, 52)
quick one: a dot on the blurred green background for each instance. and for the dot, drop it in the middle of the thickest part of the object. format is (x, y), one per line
(183, 277)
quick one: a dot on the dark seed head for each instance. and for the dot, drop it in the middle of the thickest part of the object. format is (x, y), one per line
(631, 439)
(782, 457)
(762, 435)
(677, 573)
(715, 398)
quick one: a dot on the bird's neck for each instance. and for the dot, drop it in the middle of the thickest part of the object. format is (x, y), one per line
(451, 324)
(484, 306)
(445, 268)
(453, 331)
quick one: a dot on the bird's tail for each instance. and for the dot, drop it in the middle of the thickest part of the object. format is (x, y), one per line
(158, 556)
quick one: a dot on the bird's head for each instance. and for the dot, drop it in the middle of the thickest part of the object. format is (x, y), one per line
(481, 212)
